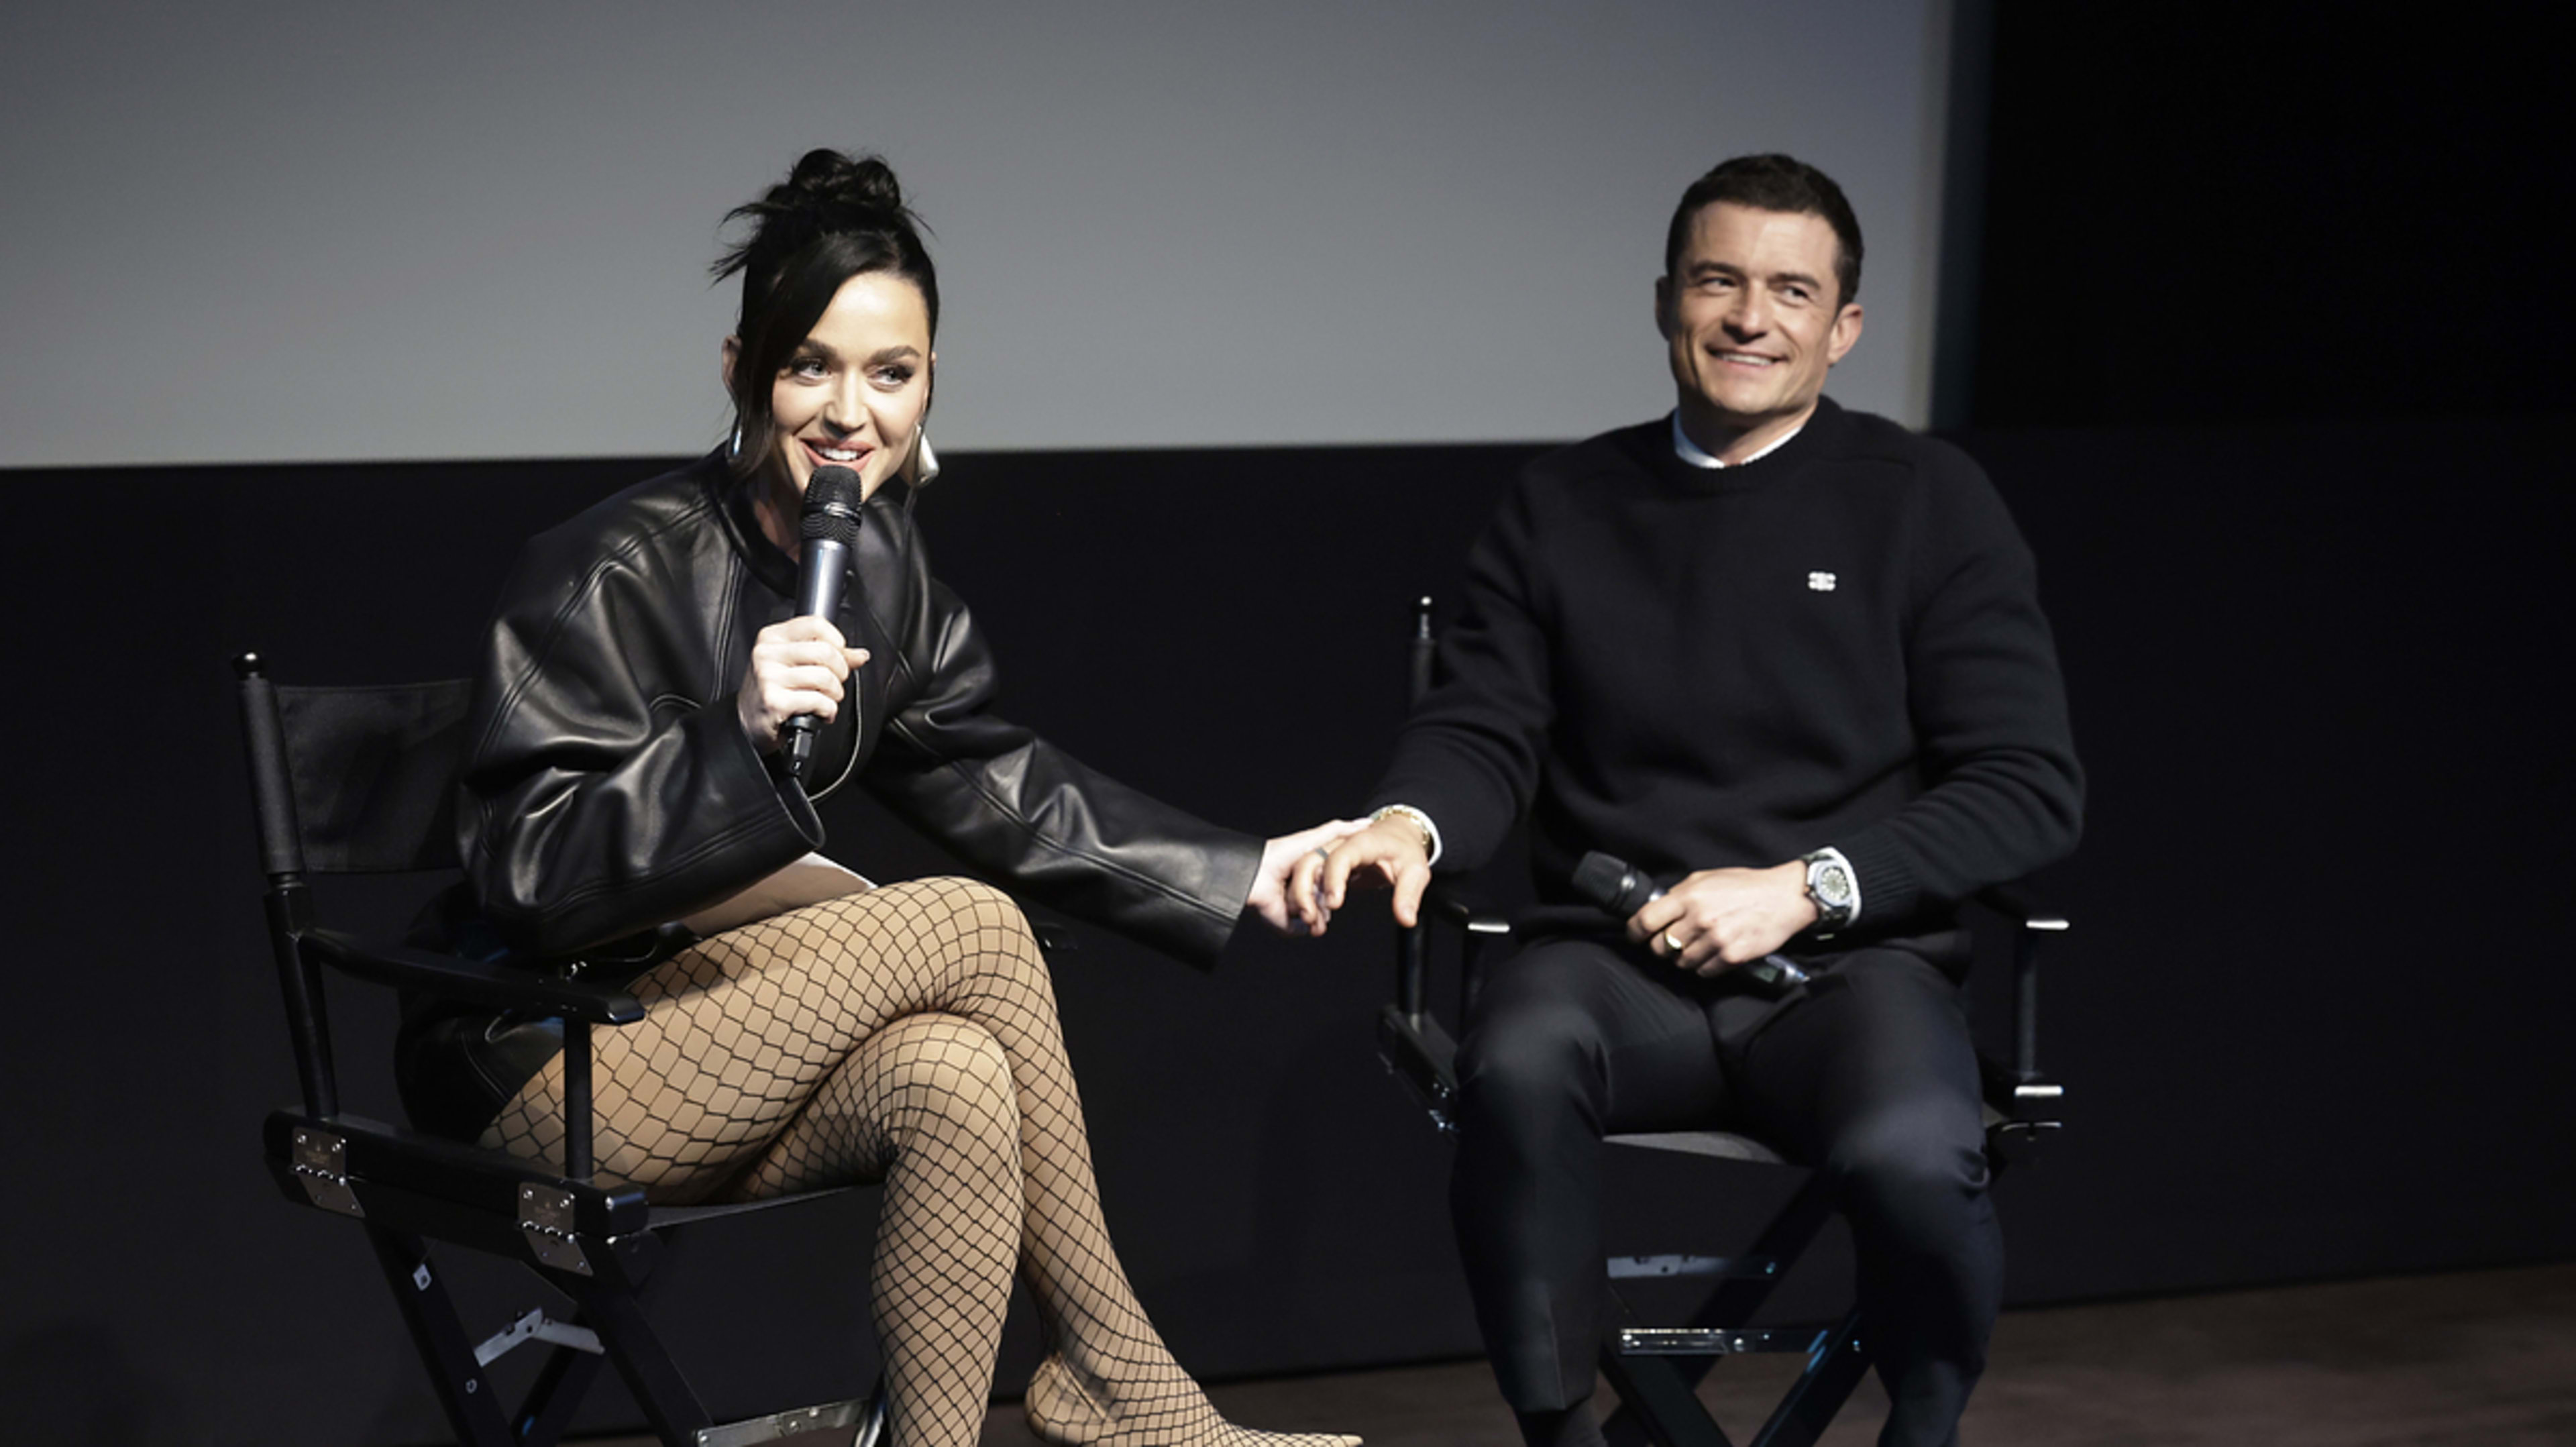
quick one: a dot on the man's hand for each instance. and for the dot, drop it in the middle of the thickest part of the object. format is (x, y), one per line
(1391, 851)
(1720, 918)
(1279, 859)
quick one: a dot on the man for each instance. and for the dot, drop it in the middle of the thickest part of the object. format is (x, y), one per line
(1789, 660)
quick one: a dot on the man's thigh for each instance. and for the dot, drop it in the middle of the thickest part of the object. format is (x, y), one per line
(1632, 1044)
(1880, 1045)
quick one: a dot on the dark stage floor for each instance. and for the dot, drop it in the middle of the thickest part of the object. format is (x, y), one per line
(2487, 1357)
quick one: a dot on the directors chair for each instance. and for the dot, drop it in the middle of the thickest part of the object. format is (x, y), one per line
(1655, 1368)
(359, 781)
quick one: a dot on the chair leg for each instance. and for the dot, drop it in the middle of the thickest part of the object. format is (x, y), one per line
(669, 1405)
(1837, 1367)
(1655, 1403)
(1655, 1412)
(561, 1384)
(463, 1391)
(1783, 1241)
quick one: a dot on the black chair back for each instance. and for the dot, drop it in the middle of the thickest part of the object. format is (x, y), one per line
(373, 770)
(357, 780)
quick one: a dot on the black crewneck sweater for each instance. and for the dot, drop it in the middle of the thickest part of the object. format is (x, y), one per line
(1837, 644)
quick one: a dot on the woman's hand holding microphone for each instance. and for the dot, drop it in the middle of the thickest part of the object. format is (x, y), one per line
(798, 666)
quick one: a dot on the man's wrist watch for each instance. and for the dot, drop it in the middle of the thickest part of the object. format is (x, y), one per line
(1833, 889)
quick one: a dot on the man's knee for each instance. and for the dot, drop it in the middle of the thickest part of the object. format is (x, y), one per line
(1913, 1161)
(1527, 1058)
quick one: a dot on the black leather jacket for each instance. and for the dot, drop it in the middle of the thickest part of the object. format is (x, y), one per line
(609, 786)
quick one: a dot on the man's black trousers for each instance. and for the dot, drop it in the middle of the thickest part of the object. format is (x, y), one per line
(1867, 1075)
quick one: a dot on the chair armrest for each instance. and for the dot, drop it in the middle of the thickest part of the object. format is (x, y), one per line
(1452, 906)
(2033, 922)
(504, 986)
(2018, 904)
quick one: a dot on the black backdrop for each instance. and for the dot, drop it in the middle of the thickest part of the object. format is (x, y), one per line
(2310, 1011)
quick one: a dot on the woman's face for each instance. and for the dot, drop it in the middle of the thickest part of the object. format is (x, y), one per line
(854, 391)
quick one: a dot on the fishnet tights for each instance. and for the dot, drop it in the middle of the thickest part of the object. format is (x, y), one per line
(907, 1034)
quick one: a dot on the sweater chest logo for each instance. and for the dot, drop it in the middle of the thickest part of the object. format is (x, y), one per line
(1820, 582)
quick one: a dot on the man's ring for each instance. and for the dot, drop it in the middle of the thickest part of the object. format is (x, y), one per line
(1672, 942)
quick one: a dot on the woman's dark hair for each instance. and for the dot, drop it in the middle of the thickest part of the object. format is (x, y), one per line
(833, 218)
(1774, 183)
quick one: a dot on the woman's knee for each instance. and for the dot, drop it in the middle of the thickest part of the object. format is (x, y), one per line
(949, 1076)
(988, 907)
(984, 919)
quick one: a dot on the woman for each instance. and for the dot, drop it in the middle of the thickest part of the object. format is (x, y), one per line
(623, 801)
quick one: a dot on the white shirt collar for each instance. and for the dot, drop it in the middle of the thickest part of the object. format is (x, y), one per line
(1697, 456)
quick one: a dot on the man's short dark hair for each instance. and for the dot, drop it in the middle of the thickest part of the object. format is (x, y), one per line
(1774, 183)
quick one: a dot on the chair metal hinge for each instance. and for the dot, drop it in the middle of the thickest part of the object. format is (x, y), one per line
(537, 1326)
(546, 1219)
(1733, 1268)
(322, 1169)
(1692, 1341)
(1440, 1101)
(865, 1413)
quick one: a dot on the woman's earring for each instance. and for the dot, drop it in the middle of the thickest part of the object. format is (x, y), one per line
(925, 463)
(733, 449)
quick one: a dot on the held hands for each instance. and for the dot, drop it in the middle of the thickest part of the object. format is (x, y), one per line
(1279, 860)
(1391, 851)
(798, 666)
(1717, 919)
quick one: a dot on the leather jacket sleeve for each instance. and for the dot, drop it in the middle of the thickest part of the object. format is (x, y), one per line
(1011, 803)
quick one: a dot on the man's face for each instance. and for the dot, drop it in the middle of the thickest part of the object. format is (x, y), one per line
(1753, 318)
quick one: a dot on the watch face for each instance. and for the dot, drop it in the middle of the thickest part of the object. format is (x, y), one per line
(1833, 884)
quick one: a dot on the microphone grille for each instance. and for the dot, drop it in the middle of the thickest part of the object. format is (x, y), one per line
(1597, 878)
(1611, 884)
(831, 513)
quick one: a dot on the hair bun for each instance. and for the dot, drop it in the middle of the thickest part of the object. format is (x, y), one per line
(826, 193)
(829, 181)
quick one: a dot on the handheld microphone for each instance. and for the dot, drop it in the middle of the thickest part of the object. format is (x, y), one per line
(1618, 890)
(829, 526)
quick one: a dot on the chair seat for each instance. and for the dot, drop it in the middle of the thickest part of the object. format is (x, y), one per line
(1727, 1146)
(1719, 1144)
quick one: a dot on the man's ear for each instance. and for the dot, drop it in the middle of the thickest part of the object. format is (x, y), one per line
(1664, 307)
(732, 354)
(1846, 332)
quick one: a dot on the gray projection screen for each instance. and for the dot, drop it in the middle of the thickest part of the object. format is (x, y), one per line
(296, 232)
